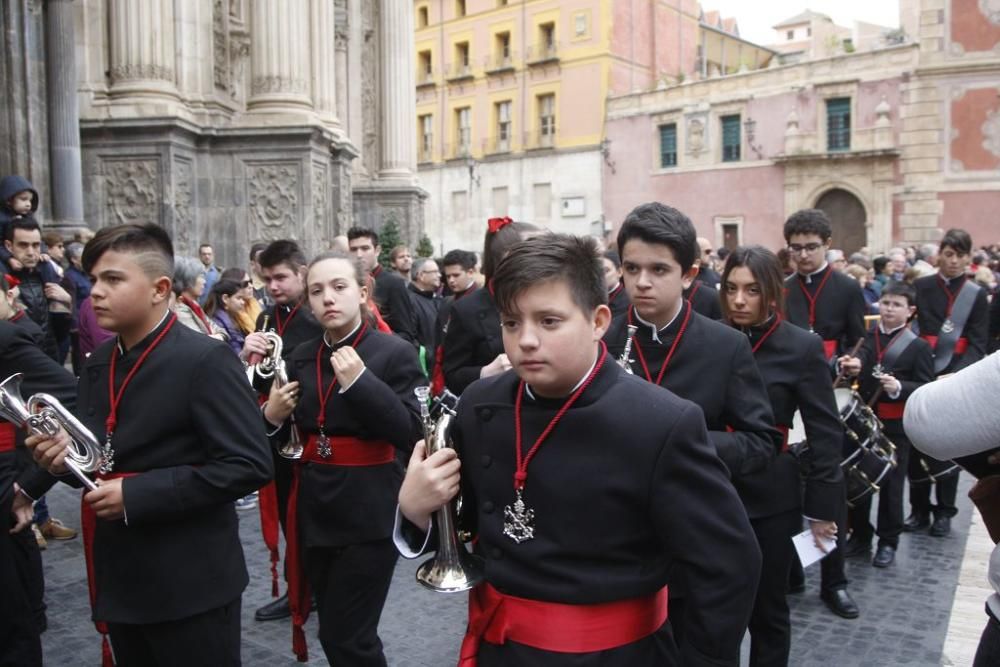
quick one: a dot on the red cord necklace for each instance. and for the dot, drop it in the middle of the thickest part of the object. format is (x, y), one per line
(812, 298)
(673, 347)
(324, 395)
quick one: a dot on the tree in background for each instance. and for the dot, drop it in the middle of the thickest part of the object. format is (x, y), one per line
(388, 238)
(425, 248)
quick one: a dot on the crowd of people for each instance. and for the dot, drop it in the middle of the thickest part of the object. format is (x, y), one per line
(683, 412)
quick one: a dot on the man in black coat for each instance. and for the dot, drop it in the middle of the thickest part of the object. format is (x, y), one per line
(574, 531)
(425, 279)
(182, 440)
(391, 297)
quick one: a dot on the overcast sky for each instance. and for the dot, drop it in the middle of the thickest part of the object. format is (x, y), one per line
(756, 18)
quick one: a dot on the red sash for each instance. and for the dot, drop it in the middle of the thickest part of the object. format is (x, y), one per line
(961, 345)
(7, 437)
(784, 437)
(829, 348)
(890, 410)
(562, 628)
(88, 524)
(267, 503)
(346, 452)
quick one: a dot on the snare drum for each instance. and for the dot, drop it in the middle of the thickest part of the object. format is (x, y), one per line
(866, 467)
(861, 424)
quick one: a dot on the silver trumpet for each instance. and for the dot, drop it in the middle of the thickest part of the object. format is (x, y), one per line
(625, 361)
(273, 366)
(43, 414)
(452, 569)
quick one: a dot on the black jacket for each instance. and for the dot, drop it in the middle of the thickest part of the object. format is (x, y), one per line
(294, 325)
(705, 300)
(426, 306)
(472, 341)
(394, 304)
(625, 489)
(932, 305)
(797, 376)
(10, 186)
(840, 307)
(189, 426)
(36, 304)
(341, 505)
(714, 368)
(618, 300)
(913, 368)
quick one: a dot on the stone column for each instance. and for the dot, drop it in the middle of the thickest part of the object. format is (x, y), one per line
(398, 91)
(324, 60)
(341, 38)
(143, 53)
(280, 68)
(66, 175)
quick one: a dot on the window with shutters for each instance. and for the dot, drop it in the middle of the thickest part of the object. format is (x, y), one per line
(463, 126)
(546, 119)
(503, 126)
(668, 145)
(731, 138)
(425, 123)
(838, 124)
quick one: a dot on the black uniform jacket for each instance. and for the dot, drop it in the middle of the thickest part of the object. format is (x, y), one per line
(705, 300)
(625, 488)
(444, 313)
(932, 305)
(189, 426)
(914, 367)
(393, 301)
(618, 300)
(425, 311)
(20, 353)
(797, 377)
(473, 340)
(340, 505)
(840, 307)
(994, 327)
(713, 367)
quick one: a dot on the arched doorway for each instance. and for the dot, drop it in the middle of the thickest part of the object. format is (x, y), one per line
(848, 218)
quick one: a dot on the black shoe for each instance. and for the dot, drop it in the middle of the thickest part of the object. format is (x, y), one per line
(941, 527)
(841, 603)
(916, 522)
(857, 546)
(274, 611)
(884, 556)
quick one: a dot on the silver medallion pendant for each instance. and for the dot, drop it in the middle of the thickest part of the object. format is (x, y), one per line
(324, 447)
(519, 521)
(947, 327)
(107, 457)
(878, 371)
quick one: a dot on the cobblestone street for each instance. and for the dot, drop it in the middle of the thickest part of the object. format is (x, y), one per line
(904, 609)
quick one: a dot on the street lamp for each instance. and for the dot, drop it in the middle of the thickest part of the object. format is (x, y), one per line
(750, 127)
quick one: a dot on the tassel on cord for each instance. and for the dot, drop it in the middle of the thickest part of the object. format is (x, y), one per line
(299, 644)
(107, 659)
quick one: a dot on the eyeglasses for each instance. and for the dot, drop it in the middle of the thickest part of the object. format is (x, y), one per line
(796, 248)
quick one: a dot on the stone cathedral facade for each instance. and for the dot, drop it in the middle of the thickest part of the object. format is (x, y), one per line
(225, 121)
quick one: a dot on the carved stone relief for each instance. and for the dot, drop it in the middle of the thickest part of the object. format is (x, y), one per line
(320, 187)
(695, 140)
(220, 49)
(991, 133)
(183, 202)
(369, 88)
(273, 200)
(239, 56)
(132, 190)
(277, 84)
(138, 72)
(991, 10)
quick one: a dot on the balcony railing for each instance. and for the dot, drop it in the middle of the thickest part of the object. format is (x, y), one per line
(540, 139)
(500, 63)
(460, 72)
(540, 54)
(426, 78)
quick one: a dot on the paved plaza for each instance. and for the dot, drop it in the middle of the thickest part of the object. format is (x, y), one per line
(904, 619)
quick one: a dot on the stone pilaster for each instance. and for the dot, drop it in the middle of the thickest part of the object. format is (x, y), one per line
(64, 121)
(142, 48)
(340, 43)
(324, 61)
(280, 68)
(398, 154)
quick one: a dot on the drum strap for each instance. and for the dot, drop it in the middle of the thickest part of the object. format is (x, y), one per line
(960, 311)
(906, 336)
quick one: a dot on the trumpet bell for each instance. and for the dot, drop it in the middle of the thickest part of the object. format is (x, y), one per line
(452, 575)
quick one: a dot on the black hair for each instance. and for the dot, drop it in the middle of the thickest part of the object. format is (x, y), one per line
(767, 272)
(498, 243)
(561, 257)
(136, 238)
(282, 252)
(235, 274)
(26, 222)
(958, 240)
(223, 287)
(808, 221)
(660, 224)
(903, 289)
(256, 248)
(879, 264)
(613, 257)
(362, 232)
(463, 258)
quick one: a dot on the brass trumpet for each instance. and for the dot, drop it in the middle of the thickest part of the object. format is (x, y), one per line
(625, 362)
(43, 414)
(273, 366)
(452, 569)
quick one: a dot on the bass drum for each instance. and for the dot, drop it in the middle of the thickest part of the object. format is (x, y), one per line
(865, 469)
(862, 426)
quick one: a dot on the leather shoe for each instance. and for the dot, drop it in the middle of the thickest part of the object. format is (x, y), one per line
(54, 529)
(884, 556)
(916, 522)
(274, 611)
(857, 546)
(841, 603)
(941, 527)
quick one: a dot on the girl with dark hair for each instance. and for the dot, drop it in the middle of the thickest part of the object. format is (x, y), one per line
(792, 363)
(472, 346)
(357, 411)
(247, 318)
(225, 302)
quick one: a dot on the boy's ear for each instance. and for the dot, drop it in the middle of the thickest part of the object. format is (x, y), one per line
(162, 287)
(688, 278)
(602, 320)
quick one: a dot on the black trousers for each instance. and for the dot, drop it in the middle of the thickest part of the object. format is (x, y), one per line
(988, 653)
(890, 502)
(770, 625)
(20, 643)
(211, 639)
(282, 486)
(351, 584)
(946, 487)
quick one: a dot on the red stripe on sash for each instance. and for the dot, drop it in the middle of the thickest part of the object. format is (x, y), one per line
(7, 437)
(891, 410)
(829, 348)
(961, 345)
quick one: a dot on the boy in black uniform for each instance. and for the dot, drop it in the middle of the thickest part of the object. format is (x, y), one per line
(831, 305)
(390, 292)
(182, 440)
(953, 316)
(890, 366)
(459, 275)
(585, 487)
(617, 296)
(283, 270)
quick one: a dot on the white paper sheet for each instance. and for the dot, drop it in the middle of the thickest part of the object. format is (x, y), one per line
(806, 547)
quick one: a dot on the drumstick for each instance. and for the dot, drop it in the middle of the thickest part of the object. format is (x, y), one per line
(854, 353)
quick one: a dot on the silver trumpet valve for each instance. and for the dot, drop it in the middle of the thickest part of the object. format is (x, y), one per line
(626, 361)
(43, 414)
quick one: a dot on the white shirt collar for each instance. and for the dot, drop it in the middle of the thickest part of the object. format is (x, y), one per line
(882, 328)
(809, 276)
(353, 331)
(655, 334)
(121, 348)
(531, 394)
